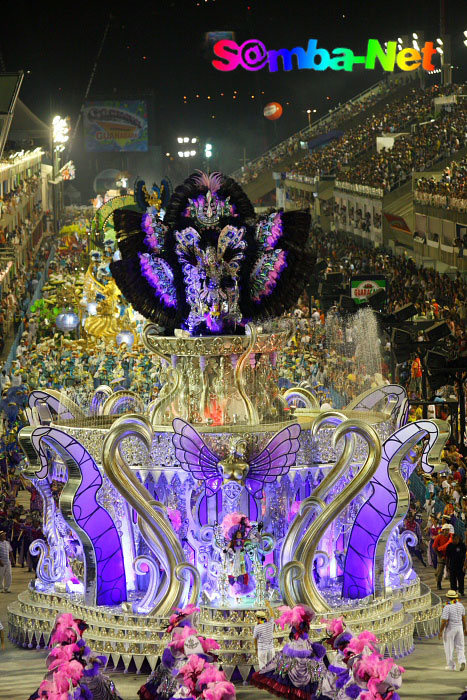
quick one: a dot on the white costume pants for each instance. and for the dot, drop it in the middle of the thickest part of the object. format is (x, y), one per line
(5, 577)
(264, 657)
(453, 639)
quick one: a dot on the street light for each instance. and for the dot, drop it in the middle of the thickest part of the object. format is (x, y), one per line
(208, 150)
(60, 134)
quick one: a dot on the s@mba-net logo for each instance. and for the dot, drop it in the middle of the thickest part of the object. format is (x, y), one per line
(252, 55)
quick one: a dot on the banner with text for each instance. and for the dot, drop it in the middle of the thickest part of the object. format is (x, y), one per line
(116, 126)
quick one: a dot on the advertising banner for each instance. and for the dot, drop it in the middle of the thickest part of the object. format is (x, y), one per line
(364, 286)
(116, 126)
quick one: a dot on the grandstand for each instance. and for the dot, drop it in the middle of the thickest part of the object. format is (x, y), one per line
(257, 175)
(363, 179)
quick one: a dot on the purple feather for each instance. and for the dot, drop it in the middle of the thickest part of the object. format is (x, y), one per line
(297, 653)
(159, 275)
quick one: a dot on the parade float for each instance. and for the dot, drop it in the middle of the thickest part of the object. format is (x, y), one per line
(224, 492)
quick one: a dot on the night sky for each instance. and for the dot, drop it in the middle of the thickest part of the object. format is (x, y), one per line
(160, 47)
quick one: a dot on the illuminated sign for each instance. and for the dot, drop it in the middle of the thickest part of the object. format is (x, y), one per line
(252, 55)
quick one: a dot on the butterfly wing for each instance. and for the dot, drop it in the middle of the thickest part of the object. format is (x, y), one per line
(195, 456)
(274, 461)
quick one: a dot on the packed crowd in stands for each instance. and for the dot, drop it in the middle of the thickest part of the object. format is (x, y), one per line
(16, 297)
(9, 200)
(335, 118)
(390, 168)
(437, 297)
(394, 118)
(450, 192)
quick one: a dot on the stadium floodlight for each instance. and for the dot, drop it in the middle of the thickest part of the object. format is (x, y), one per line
(415, 45)
(415, 35)
(194, 140)
(180, 154)
(208, 150)
(465, 32)
(439, 41)
(400, 40)
(185, 139)
(186, 154)
(399, 47)
(192, 153)
(465, 42)
(439, 50)
(180, 139)
(60, 130)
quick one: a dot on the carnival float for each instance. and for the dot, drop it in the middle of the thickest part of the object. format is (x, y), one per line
(224, 492)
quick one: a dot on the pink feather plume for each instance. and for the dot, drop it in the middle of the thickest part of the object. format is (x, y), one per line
(220, 691)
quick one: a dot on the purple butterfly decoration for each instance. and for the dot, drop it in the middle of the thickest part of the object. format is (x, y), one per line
(273, 461)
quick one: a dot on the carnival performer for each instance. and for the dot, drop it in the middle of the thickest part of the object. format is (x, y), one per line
(199, 679)
(236, 528)
(165, 681)
(74, 671)
(298, 670)
(263, 636)
(358, 669)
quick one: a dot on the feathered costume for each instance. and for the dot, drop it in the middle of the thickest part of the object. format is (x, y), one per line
(298, 670)
(210, 266)
(358, 670)
(186, 669)
(74, 671)
(303, 670)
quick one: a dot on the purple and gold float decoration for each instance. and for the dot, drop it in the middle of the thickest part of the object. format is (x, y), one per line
(223, 492)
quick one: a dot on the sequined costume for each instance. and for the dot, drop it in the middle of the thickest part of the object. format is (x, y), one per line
(298, 670)
(295, 672)
(209, 266)
(165, 681)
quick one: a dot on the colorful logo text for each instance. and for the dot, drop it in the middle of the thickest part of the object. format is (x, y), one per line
(252, 55)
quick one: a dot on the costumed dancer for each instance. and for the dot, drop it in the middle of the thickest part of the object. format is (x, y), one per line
(74, 671)
(236, 527)
(299, 669)
(358, 670)
(200, 680)
(164, 682)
